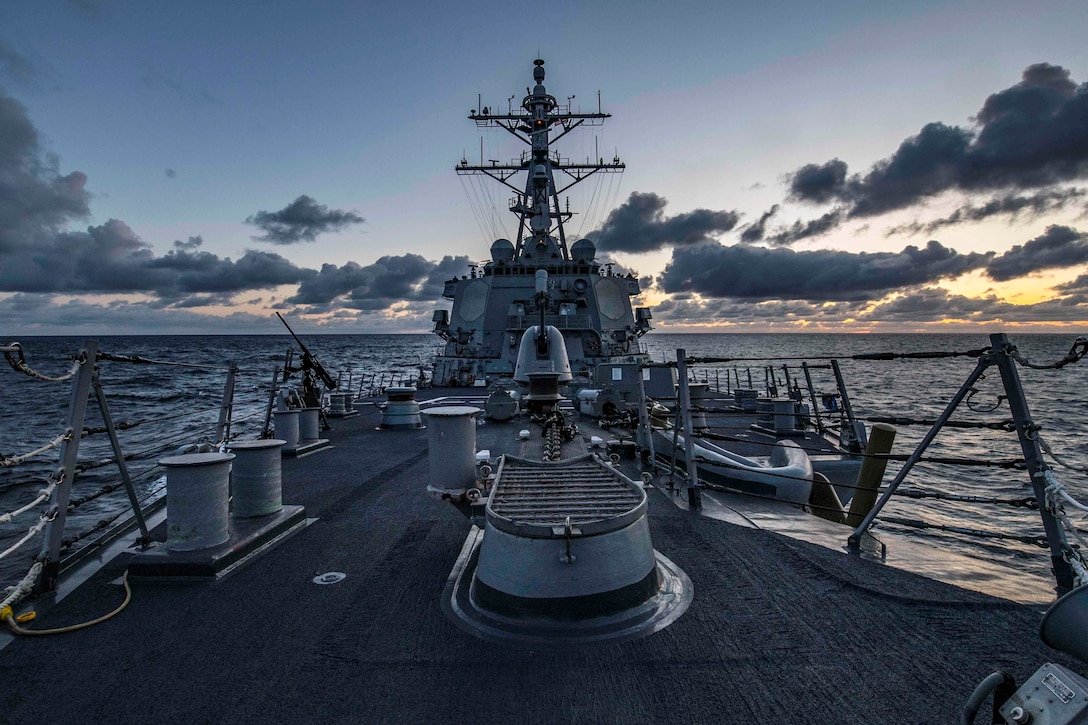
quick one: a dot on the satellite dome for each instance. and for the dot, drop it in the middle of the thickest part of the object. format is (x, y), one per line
(502, 250)
(583, 251)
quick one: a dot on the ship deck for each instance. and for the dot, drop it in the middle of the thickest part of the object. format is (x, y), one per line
(780, 630)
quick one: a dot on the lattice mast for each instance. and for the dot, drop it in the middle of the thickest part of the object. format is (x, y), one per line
(541, 235)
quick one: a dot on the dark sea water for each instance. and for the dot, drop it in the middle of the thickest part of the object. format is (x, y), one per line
(177, 406)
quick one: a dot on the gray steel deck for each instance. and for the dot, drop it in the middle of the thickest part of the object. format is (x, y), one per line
(779, 631)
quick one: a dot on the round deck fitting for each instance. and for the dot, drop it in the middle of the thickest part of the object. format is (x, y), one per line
(540, 632)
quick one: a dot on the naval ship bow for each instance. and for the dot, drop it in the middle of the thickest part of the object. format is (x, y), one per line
(497, 302)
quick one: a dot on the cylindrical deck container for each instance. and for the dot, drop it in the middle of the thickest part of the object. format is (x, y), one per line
(256, 477)
(309, 424)
(451, 438)
(287, 426)
(197, 500)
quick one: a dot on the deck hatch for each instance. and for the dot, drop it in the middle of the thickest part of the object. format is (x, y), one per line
(534, 494)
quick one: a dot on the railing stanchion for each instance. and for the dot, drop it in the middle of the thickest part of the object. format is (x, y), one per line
(122, 467)
(694, 498)
(77, 411)
(222, 429)
(1028, 432)
(854, 542)
(812, 398)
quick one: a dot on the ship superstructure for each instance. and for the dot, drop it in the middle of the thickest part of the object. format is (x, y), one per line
(495, 303)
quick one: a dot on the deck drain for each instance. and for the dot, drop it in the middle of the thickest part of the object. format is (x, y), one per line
(330, 577)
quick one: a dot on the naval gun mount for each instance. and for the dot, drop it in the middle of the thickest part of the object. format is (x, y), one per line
(562, 555)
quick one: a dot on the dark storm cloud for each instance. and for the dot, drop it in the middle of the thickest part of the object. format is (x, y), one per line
(743, 313)
(301, 221)
(818, 183)
(743, 271)
(1080, 284)
(1011, 205)
(1058, 247)
(1029, 136)
(193, 243)
(803, 230)
(34, 197)
(754, 231)
(40, 256)
(376, 286)
(921, 305)
(639, 225)
(111, 258)
(933, 304)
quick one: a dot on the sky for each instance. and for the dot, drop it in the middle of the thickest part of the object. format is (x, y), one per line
(790, 166)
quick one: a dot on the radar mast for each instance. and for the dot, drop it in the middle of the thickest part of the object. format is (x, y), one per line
(542, 237)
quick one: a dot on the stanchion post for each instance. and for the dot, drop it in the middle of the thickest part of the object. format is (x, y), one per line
(1028, 432)
(69, 450)
(694, 497)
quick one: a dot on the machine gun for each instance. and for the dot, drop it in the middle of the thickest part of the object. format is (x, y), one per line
(309, 360)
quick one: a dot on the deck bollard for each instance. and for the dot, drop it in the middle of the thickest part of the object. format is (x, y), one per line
(256, 477)
(336, 404)
(287, 427)
(309, 424)
(197, 500)
(872, 473)
(451, 437)
(700, 394)
(401, 410)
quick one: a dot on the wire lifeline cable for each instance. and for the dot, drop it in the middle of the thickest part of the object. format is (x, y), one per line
(1008, 463)
(7, 614)
(21, 366)
(1039, 541)
(16, 460)
(43, 495)
(138, 360)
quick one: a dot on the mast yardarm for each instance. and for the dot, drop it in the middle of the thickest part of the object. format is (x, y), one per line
(541, 234)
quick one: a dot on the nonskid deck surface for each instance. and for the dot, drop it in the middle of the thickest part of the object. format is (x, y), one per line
(779, 630)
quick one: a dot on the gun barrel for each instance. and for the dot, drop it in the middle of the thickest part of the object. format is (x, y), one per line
(309, 359)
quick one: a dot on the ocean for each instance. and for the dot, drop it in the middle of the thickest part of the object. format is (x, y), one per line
(171, 406)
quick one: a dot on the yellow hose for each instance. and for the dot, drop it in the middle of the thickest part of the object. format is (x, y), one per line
(7, 615)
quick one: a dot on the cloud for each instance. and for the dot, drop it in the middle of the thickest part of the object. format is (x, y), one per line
(1058, 247)
(1033, 135)
(388, 280)
(818, 183)
(301, 221)
(39, 255)
(639, 225)
(754, 231)
(193, 243)
(742, 271)
(1011, 205)
(919, 307)
(803, 230)
(112, 258)
(934, 304)
(34, 197)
